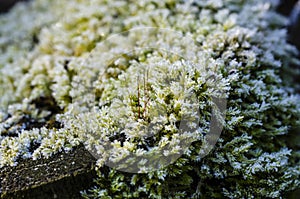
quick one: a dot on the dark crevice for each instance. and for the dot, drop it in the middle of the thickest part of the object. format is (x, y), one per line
(6, 5)
(27, 122)
(47, 103)
(285, 6)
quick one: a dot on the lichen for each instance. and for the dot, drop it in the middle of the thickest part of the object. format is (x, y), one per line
(138, 83)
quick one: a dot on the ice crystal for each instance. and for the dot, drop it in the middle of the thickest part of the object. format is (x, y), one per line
(138, 83)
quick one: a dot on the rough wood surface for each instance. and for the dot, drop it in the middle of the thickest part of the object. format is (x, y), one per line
(62, 176)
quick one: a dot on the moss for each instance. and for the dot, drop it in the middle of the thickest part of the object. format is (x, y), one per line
(146, 86)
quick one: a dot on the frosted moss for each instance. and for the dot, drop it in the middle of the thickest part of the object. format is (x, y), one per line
(90, 82)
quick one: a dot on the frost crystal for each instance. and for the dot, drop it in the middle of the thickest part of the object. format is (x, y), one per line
(138, 84)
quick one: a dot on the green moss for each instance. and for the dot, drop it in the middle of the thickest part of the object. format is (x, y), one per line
(139, 83)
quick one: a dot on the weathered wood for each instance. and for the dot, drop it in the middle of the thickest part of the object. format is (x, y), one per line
(63, 175)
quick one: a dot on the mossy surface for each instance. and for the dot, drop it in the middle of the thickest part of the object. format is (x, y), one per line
(100, 73)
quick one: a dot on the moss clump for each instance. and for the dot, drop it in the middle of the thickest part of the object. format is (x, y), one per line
(144, 86)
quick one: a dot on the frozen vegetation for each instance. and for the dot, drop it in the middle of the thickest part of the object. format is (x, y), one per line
(105, 73)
